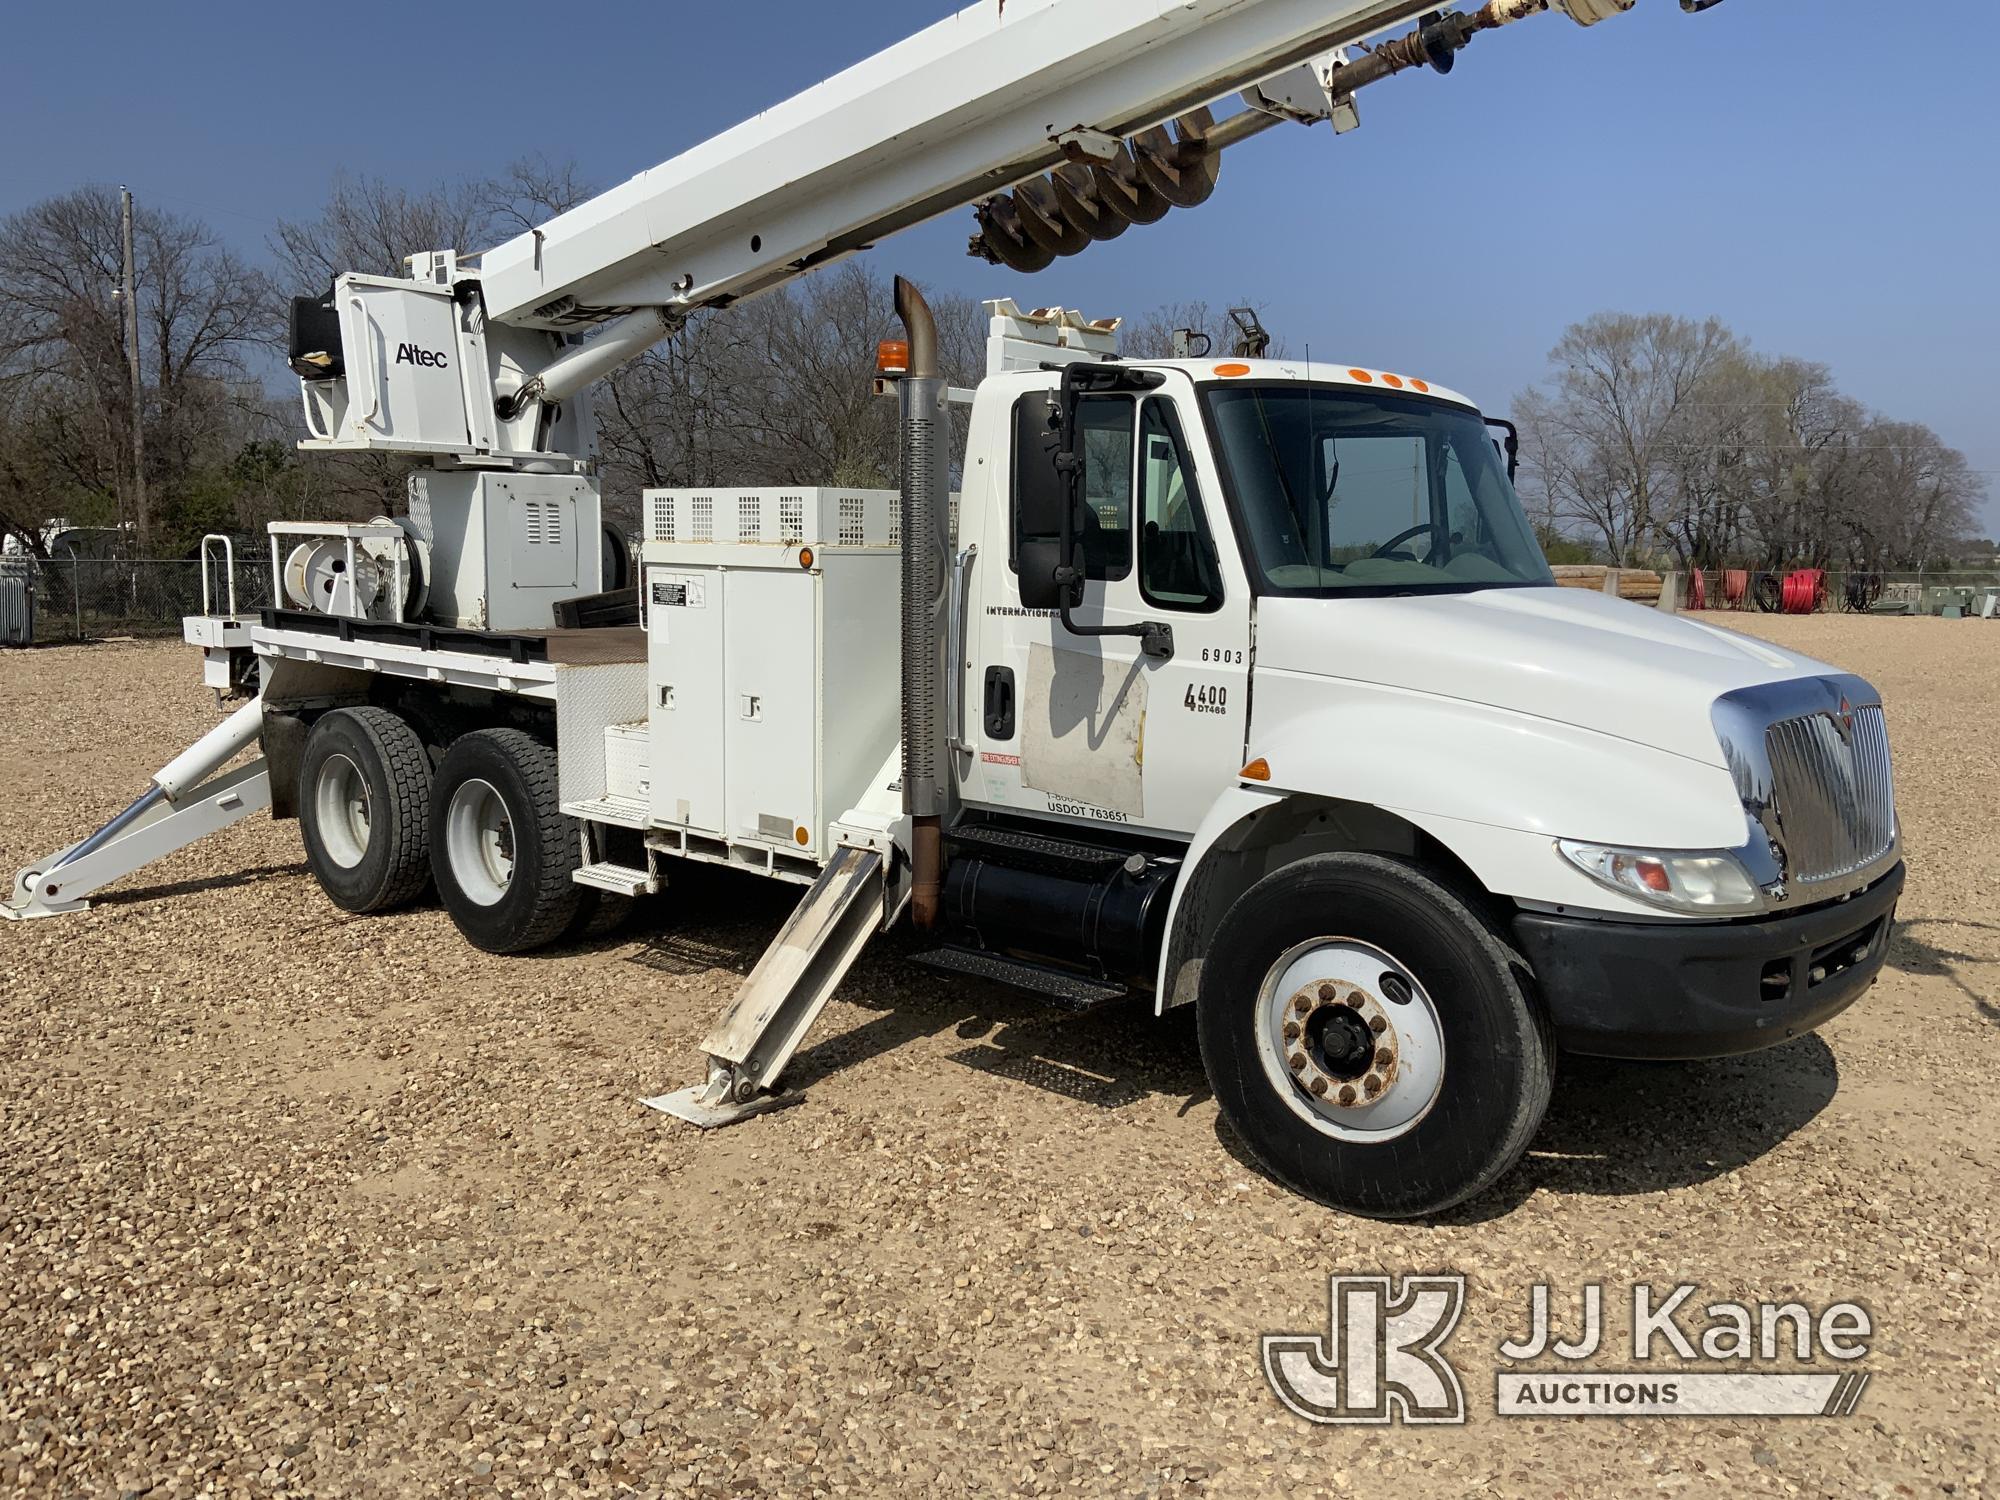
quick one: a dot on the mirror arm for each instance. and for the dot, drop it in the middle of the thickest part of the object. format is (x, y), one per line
(1513, 445)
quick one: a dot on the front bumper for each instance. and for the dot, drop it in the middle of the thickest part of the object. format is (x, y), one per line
(1706, 989)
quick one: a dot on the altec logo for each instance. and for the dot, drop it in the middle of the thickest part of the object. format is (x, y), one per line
(430, 359)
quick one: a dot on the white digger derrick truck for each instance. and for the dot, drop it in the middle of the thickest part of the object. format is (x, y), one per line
(1241, 683)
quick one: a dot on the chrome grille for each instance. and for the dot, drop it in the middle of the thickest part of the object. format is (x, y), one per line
(1834, 791)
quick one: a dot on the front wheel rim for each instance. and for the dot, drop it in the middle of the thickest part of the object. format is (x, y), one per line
(479, 841)
(341, 806)
(1350, 1040)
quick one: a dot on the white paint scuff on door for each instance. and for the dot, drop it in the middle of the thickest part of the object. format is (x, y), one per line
(1083, 729)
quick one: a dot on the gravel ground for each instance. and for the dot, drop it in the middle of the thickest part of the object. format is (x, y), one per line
(297, 1202)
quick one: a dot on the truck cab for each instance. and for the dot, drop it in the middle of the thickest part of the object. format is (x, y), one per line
(1296, 643)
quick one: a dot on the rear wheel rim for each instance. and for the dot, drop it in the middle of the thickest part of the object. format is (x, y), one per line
(341, 806)
(1350, 1040)
(479, 841)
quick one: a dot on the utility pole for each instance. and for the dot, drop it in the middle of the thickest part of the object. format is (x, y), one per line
(131, 331)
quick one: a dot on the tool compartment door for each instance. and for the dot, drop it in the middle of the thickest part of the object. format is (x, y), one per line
(771, 706)
(684, 623)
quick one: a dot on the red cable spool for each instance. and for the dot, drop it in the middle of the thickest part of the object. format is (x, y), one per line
(1697, 590)
(1735, 587)
(1805, 590)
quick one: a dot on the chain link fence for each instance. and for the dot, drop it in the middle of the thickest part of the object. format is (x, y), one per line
(80, 599)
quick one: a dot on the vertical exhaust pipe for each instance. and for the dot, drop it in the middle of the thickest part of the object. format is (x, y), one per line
(926, 575)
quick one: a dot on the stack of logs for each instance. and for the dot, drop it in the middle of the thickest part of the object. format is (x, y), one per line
(1636, 584)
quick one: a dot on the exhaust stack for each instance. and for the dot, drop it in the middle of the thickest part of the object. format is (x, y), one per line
(926, 571)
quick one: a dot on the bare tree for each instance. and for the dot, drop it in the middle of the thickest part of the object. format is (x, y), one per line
(529, 193)
(67, 401)
(371, 226)
(776, 390)
(1602, 445)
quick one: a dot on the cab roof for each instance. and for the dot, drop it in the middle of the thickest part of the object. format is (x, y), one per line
(1320, 372)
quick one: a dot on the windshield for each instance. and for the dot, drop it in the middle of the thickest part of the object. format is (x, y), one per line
(1341, 491)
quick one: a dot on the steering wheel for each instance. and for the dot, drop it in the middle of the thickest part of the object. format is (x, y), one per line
(1388, 548)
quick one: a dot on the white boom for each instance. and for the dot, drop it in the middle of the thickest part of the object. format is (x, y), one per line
(963, 110)
(1113, 100)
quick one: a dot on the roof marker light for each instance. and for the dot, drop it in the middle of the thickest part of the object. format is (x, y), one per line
(1228, 371)
(1363, 376)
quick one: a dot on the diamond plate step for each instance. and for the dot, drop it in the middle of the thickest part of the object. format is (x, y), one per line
(620, 812)
(1022, 849)
(1075, 992)
(622, 880)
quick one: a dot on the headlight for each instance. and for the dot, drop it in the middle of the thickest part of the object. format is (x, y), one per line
(1711, 884)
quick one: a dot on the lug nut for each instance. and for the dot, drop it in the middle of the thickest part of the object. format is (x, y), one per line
(1384, 1057)
(1298, 1062)
(1319, 1086)
(1292, 1031)
(1371, 1085)
(1378, 1024)
(1328, 994)
(1304, 1006)
(1347, 1094)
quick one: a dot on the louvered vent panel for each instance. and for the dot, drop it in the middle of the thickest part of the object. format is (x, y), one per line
(853, 521)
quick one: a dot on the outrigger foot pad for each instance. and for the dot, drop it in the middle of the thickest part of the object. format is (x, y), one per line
(691, 1104)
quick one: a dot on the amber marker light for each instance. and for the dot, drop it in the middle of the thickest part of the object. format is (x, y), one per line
(1258, 770)
(1229, 372)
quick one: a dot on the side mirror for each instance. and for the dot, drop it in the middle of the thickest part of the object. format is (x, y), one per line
(1040, 563)
(1041, 494)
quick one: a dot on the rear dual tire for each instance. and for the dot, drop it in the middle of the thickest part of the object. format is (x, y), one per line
(364, 809)
(502, 852)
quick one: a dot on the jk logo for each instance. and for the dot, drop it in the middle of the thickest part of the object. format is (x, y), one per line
(1379, 1361)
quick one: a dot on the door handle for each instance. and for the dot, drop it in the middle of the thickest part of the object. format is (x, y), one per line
(1000, 703)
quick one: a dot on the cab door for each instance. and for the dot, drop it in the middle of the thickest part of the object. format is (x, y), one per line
(1088, 727)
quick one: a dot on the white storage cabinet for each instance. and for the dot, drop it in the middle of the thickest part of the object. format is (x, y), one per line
(773, 649)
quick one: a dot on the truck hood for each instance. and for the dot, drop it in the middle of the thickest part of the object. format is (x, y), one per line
(1570, 655)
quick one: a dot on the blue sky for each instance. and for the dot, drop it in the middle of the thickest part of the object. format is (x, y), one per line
(1821, 174)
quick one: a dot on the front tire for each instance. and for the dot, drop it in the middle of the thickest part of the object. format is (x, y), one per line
(1371, 1037)
(364, 809)
(501, 850)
